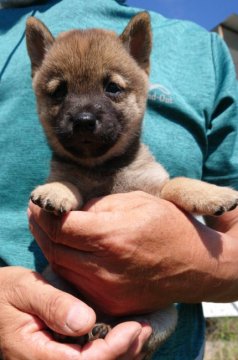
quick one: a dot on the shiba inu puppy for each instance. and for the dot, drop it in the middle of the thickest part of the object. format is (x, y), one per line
(91, 90)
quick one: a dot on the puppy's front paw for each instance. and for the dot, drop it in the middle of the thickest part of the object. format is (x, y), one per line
(99, 331)
(225, 199)
(57, 197)
(200, 197)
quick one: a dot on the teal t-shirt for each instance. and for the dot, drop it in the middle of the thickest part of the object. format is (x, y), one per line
(190, 124)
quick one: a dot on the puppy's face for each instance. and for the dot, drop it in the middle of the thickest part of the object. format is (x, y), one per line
(91, 87)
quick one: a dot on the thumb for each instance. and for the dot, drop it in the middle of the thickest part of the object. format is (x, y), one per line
(60, 311)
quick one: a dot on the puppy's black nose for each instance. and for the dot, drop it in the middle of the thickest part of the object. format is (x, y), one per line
(85, 121)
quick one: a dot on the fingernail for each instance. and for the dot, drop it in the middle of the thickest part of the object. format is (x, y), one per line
(30, 204)
(133, 338)
(136, 334)
(78, 318)
(147, 330)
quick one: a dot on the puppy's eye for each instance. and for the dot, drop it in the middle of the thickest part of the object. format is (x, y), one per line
(112, 88)
(59, 92)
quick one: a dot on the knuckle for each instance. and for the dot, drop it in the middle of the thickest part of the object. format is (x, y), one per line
(51, 253)
(143, 194)
(54, 228)
(52, 309)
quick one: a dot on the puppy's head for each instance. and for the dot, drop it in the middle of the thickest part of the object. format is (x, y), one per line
(91, 87)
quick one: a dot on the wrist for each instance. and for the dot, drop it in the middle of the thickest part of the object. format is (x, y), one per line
(200, 265)
(214, 266)
(225, 279)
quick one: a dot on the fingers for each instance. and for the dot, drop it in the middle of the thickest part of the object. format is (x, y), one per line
(61, 312)
(77, 267)
(74, 229)
(62, 255)
(104, 214)
(29, 340)
(125, 341)
(117, 343)
(117, 202)
(24, 335)
(136, 349)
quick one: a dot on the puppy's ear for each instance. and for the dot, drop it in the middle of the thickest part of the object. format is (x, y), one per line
(38, 39)
(137, 39)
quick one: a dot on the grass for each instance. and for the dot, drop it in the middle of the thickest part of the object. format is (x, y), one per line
(222, 339)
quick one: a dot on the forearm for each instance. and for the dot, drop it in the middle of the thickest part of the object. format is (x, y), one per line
(226, 227)
(212, 272)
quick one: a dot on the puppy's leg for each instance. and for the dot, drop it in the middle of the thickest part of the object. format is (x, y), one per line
(57, 197)
(100, 329)
(199, 197)
(163, 323)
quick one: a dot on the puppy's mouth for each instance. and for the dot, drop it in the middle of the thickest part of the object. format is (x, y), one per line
(88, 149)
(88, 145)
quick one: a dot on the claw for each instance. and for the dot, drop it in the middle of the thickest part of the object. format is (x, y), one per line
(233, 207)
(49, 206)
(220, 211)
(99, 332)
(36, 201)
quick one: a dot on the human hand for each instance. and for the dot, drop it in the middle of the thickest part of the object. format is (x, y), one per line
(129, 253)
(30, 306)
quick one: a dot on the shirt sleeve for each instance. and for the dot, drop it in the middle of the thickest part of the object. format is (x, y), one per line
(221, 162)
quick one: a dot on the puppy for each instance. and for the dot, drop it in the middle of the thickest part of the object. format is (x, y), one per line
(91, 90)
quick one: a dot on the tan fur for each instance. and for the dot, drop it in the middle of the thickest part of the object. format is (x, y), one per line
(142, 174)
(80, 64)
(52, 84)
(63, 196)
(199, 197)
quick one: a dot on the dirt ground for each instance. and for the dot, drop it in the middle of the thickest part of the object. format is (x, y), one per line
(222, 339)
